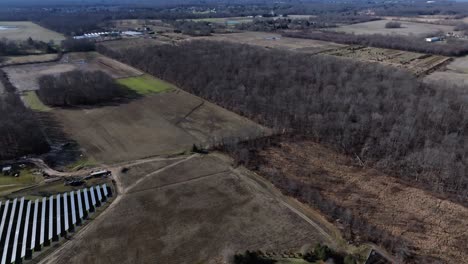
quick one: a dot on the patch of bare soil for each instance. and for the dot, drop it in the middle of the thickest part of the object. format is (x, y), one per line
(434, 227)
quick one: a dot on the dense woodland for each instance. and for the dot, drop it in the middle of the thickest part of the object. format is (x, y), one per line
(79, 88)
(385, 116)
(78, 45)
(194, 28)
(19, 129)
(399, 42)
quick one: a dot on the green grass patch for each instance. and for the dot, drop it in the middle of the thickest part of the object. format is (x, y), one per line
(32, 101)
(26, 178)
(146, 84)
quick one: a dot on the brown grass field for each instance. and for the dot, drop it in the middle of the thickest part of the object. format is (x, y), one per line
(28, 59)
(198, 211)
(266, 40)
(159, 124)
(456, 72)
(22, 30)
(435, 227)
(25, 77)
(408, 28)
(417, 63)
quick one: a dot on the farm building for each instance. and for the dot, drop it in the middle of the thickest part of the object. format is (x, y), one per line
(433, 39)
(6, 170)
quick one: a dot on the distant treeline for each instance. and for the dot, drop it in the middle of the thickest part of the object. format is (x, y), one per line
(387, 117)
(406, 43)
(194, 28)
(322, 21)
(29, 46)
(19, 129)
(79, 88)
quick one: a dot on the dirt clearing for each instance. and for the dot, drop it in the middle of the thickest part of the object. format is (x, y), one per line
(434, 227)
(208, 212)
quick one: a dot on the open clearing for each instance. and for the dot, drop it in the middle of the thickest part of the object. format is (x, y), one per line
(272, 40)
(158, 124)
(146, 84)
(10, 60)
(417, 63)
(25, 77)
(455, 72)
(197, 211)
(433, 226)
(22, 30)
(407, 28)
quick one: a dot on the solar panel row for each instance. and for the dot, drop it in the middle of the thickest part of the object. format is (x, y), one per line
(24, 224)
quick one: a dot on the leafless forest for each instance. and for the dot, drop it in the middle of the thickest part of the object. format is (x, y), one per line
(79, 88)
(19, 130)
(386, 117)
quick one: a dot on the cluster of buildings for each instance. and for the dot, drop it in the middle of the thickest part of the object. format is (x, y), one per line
(95, 35)
(114, 34)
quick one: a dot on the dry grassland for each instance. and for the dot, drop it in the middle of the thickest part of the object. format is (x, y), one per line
(159, 124)
(25, 77)
(22, 30)
(408, 28)
(455, 72)
(435, 227)
(417, 63)
(29, 59)
(130, 43)
(272, 40)
(196, 212)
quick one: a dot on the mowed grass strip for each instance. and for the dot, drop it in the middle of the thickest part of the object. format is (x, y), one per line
(146, 84)
(32, 101)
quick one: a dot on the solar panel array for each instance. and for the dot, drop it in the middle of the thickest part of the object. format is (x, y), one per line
(27, 226)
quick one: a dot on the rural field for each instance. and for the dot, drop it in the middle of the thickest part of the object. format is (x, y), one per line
(433, 226)
(159, 124)
(25, 77)
(417, 63)
(273, 40)
(22, 30)
(455, 72)
(10, 60)
(407, 28)
(205, 212)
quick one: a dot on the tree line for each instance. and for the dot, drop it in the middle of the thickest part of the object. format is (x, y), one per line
(387, 117)
(79, 88)
(406, 43)
(20, 132)
(354, 227)
(313, 22)
(14, 48)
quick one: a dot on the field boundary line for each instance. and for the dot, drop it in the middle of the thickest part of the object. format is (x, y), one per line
(129, 188)
(180, 182)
